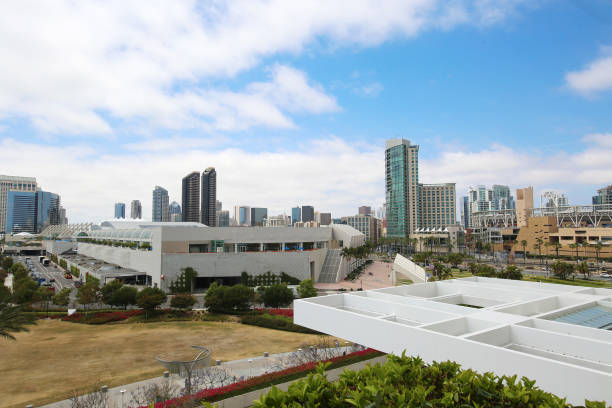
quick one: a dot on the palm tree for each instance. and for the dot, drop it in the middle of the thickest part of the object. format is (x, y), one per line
(557, 246)
(12, 319)
(524, 245)
(538, 246)
(598, 246)
(574, 246)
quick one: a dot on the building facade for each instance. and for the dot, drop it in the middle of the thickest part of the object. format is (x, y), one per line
(604, 196)
(161, 212)
(242, 215)
(402, 187)
(465, 212)
(15, 183)
(325, 219)
(223, 218)
(438, 205)
(308, 213)
(48, 210)
(365, 210)
(258, 216)
(296, 215)
(365, 224)
(191, 197)
(552, 199)
(524, 203)
(209, 197)
(21, 212)
(278, 221)
(119, 210)
(135, 210)
(175, 210)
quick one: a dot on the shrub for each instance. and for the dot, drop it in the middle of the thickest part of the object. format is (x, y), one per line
(277, 312)
(277, 296)
(63, 297)
(306, 289)
(109, 290)
(275, 322)
(562, 269)
(409, 382)
(124, 296)
(228, 299)
(183, 301)
(183, 283)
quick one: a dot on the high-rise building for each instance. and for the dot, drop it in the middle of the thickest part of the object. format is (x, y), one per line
(161, 212)
(48, 210)
(481, 198)
(209, 197)
(175, 212)
(502, 198)
(307, 213)
(119, 210)
(258, 216)
(14, 183)
(366, 224)
(21, 212)
(604, 196)
(402, 187)
(524, 203)
(63, 218)
(282, 220)
(191, 197)
(325, 219)
(438, 205)
(553, 199)
(223, 218)
(365, 210)
(242, 215)
(136, 210)
(465, 212)
(296, 215)
(381, 213)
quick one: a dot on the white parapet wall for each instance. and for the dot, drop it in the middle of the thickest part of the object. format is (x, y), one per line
(489, 325)
(407, 268)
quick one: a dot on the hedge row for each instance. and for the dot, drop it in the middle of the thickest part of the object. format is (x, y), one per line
(275, 322)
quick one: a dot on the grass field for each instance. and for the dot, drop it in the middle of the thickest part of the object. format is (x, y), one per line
(577, 282)
(56, 358)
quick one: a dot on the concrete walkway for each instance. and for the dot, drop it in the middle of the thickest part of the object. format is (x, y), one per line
(224, 374)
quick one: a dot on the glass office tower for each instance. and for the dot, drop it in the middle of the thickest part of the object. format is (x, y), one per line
(402, 187)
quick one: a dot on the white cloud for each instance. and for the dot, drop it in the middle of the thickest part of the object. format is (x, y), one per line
(595, 77)
(329, 173)
(371, 89)
(70, 67)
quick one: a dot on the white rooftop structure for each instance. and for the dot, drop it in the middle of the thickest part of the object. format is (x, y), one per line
(558, 335)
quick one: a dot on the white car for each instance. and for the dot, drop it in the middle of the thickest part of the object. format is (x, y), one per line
(605, 275)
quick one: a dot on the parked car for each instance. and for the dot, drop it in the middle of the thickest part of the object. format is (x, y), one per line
(605, 275)
(51, 280)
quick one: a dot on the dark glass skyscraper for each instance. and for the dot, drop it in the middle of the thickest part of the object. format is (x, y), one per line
(307, 213)
(209, 197)
(191, 197)
(258, 215)
(296, 215)
(21, 211)
(119, 210)
(48, 209)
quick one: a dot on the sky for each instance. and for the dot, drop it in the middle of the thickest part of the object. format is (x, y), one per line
(292, 102)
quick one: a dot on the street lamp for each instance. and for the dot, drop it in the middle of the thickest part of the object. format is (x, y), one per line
(122, 397)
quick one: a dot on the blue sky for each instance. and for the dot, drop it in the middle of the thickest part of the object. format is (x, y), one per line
(292, 102)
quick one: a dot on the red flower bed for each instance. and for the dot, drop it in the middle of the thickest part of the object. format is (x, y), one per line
(211, 393)
(278, 312)
(101, 317)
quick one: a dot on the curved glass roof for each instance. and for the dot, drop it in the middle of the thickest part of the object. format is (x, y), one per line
(136, 234)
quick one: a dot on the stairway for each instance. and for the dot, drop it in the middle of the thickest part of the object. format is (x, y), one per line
(329, 271)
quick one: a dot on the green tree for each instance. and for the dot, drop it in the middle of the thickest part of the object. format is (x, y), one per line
(124, 296)
(238, 297)
(149, 299)
(109, 290)
(183, 282)
(524, 245)
(557, 246)
(44, 294)
(89, 294)
(455, 258)
(277, 296)
(598, 247)
(13, 320)
(574, 246)
(511, 272)
(306, 289)
(538, 247)
(7, 262)
(62, 298)
(583, 268)
(183, 301)
(24, 289)
(561, 269)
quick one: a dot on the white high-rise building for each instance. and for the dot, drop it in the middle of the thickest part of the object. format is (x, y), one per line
(553, 199)
(242, 215)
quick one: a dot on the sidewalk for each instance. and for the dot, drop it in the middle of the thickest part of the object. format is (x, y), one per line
(241, 369)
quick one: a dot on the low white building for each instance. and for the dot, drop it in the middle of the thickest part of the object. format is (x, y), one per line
(162, 250)
(558, 335)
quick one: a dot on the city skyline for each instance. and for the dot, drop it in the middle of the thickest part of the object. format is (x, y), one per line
(493, 92)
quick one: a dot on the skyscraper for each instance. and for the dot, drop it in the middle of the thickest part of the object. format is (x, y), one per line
(402, 187)
(604, 196)
(258, 216)
(296, 215)
(502, 198)
(14, 183)
(325, 219)
(119, 210)
(242, 214)
(209, 197)
(438, 205)
(136, 210)
(48, 210)
(161, 213)
(465, 212)
(307, 213)
(175, 212)
(365, 210)
(191, 197)
(553, 199)
(21, 212)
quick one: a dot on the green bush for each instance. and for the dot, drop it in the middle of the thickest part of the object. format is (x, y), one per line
(183, 301)
(408, 382)
(149, 299)
(228, 299)
(274, 322)
(306, 289)
(277, 296)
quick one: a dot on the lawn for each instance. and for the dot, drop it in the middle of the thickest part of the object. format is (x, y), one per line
(56, 358)
(577, 282)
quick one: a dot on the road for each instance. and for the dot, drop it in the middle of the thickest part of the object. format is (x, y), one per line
(49, 272)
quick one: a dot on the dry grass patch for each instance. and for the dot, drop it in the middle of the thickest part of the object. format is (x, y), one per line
(55, 357)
